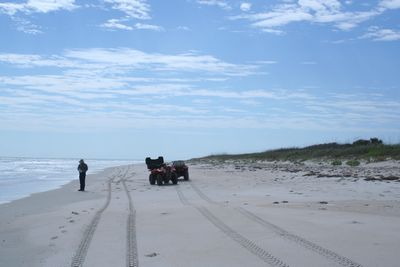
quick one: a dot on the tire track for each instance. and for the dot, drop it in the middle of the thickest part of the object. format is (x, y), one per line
(299, 240)
(328, 254)
(131, 246)
(80, 254)
(182, 197)
(202, 195)
(235, 236)
(244, 242)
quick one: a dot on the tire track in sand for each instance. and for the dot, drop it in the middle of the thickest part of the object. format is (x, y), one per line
(131, 246)
(202, 195)
(235, 236)
(299, 240)
(328, 254)
(80, 254)
(182, 197)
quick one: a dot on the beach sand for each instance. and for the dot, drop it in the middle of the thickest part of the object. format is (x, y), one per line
(231, 214)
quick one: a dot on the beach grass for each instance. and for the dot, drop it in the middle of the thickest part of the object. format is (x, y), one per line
(369, 150)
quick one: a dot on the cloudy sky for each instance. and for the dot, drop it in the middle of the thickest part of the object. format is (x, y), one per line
(186, 78)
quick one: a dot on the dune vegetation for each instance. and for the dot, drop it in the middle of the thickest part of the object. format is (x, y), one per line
(369, 150)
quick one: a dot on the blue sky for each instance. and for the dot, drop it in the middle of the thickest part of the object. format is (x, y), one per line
(137, 78)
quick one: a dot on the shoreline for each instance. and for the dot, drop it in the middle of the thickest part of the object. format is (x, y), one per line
(66, 184)
(71, 186)
(43, 181)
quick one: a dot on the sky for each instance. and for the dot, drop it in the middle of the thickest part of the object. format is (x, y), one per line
(128, 79)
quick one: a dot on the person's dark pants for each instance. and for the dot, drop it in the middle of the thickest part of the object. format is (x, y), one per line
(82, 178)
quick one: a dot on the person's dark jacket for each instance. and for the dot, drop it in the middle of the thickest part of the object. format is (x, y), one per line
(82, 168)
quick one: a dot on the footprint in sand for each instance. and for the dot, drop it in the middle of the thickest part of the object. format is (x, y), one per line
(151, 255)
(54, 237)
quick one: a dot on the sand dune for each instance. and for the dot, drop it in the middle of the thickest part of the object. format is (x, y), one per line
(237, 214)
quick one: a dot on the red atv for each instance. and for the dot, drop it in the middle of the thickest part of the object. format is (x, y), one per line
(159, 172)
(181, 169)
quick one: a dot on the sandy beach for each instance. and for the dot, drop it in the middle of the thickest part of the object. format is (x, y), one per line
(230, 214)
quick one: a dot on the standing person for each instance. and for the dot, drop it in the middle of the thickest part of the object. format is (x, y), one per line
(82, 168)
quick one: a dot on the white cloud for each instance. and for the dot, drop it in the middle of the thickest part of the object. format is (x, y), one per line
(377, 34)
(138, 9)
(183, 28)
(274, 31)
(30, 60)
(119, 24)
(62, 101)
(131, 58)
(320, 6)
(281, 15)
(245, 6)
(37, 6)
(125, 59)
(99, 88)
(219, 3)
(313, 11)
(26, 26)
(11, 8)
(134, 9)
(33, 6)
(141, 26)
(308, 63)
(45, 6)
(265, 62)
(116, 24)
(390, 4)
(348, 20)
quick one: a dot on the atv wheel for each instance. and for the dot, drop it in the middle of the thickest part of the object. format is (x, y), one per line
(159, 179)
(186, 175)
(166, 179)
(152, 179)
(174, 179)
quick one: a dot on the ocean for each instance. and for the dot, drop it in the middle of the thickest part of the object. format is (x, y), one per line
(20, 177)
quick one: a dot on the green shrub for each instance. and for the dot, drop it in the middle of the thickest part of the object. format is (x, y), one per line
(373, 150)
(337, 162)
(353, 163)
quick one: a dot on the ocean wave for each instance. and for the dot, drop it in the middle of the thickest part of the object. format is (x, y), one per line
(20, 177)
